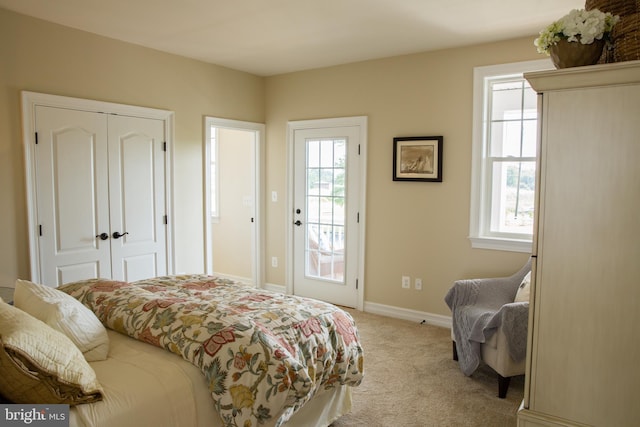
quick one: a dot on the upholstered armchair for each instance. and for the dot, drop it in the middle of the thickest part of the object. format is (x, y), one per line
(489, 324)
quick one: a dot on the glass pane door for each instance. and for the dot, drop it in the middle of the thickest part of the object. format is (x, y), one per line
(325, 225)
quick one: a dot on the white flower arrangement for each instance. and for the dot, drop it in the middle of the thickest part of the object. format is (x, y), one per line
(579, 25)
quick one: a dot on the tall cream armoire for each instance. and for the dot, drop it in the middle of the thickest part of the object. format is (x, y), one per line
(583, 362)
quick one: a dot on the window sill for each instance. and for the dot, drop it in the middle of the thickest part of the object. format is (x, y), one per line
(512, 245)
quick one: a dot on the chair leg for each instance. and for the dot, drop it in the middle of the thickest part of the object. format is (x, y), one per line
(503, 386)
(455, 351)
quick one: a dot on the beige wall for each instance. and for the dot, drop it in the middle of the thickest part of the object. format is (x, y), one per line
(43, 57)
(413, 228)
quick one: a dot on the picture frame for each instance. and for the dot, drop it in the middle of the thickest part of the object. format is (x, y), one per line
(417, 158)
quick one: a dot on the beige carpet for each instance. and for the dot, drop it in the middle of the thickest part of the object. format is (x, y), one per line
(411, 380)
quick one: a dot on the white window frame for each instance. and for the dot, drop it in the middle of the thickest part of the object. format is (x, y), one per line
(211, 157)
(480, 188)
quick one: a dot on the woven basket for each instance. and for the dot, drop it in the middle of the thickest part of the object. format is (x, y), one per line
(615, 7)
(625, 37)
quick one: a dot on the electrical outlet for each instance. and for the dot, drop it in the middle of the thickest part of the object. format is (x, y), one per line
(406, 282)
(418, 284)
(274, 261)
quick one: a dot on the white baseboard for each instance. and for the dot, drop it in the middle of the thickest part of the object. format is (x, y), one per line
(408, 314)
(248, 280)
(528, 418)
(390, 311)
(275, 288)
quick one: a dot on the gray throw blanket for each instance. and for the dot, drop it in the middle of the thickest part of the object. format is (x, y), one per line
(479, 307)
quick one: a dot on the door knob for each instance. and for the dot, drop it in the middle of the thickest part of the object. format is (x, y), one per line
(298, 223)
(103, 236)
(117, 235)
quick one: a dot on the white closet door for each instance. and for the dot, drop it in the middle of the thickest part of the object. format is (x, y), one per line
(137, 197)
(72, 193)
(100, 196)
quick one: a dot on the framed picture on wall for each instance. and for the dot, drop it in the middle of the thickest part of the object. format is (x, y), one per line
(417, 158)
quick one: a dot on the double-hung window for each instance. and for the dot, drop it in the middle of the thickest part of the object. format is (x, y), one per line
(504, 157)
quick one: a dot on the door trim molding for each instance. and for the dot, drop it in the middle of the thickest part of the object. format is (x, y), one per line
(292, 126)
(30, 100)
(257, 248)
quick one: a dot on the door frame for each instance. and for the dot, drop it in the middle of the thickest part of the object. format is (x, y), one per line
(292, 127)
(257, 244)
(30, 100)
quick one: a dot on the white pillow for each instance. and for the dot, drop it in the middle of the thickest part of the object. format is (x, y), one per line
(523, 290)
(66, 314)
(40, 364)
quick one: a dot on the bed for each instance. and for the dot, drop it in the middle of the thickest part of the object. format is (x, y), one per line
(198, 350)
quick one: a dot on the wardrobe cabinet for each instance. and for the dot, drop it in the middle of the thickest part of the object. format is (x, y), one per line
(583, 361)
(97, 185)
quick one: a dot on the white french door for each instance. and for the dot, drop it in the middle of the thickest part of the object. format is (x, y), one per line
(326, 221)
(97, 196)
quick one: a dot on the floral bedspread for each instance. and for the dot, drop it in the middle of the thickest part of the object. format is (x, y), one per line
(263, 354)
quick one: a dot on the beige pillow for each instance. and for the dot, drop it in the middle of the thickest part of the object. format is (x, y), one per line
(41, 365)
(66, 314)
(523, 290)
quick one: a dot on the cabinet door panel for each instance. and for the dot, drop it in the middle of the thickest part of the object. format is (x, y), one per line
(588, 305)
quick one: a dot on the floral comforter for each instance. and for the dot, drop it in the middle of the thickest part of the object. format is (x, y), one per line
(263, 354)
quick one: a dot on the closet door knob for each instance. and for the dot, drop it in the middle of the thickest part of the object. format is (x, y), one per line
(117, 235)
(103, 236)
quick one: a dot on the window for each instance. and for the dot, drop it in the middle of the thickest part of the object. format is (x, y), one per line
(504, 157)
(325, 196)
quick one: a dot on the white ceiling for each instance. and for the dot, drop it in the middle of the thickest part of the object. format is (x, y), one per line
(267, 37)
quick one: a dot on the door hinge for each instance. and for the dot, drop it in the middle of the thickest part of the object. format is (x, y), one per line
(356, 284)
(164, 146)
(358, 218)
(166, 220)
(36, 137)
(358, 149)
(40, 230)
